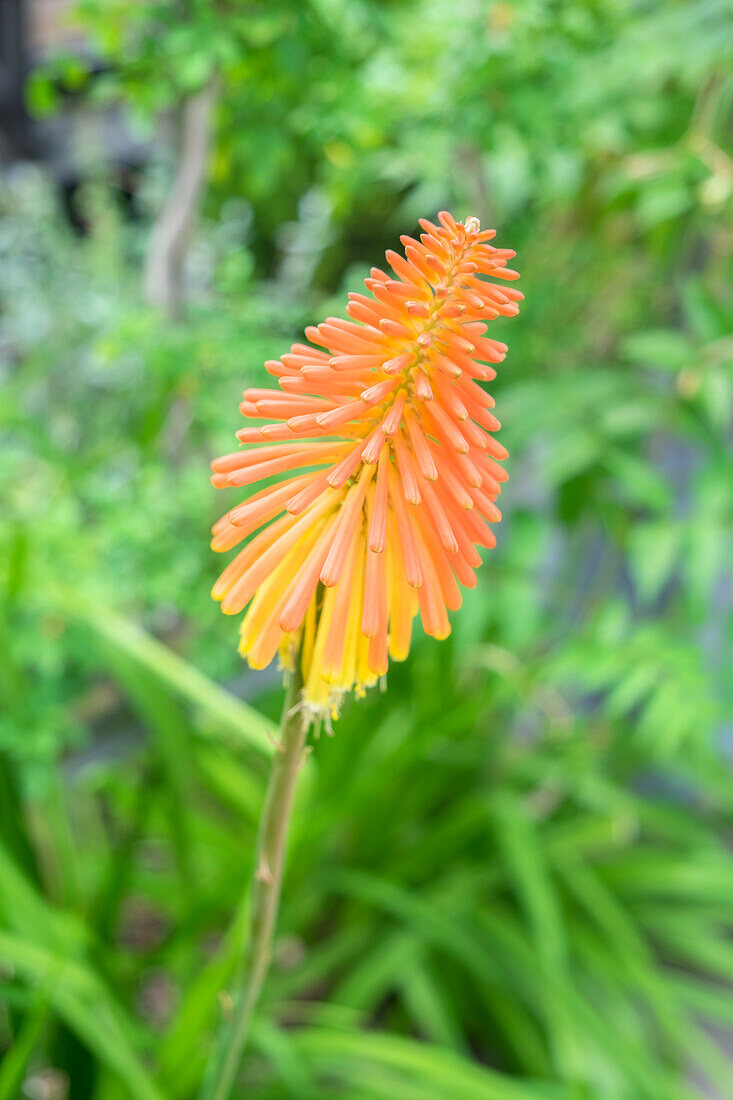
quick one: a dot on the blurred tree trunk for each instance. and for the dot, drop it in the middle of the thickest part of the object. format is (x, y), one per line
(169, 240)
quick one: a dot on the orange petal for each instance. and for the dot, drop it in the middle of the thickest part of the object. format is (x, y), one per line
(347, 524)
(378, 521)
(244, 589)
(410, 555)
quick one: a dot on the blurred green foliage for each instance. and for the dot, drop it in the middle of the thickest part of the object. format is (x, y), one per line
(509, 875)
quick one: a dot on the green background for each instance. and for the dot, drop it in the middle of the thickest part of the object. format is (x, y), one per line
(510, 874)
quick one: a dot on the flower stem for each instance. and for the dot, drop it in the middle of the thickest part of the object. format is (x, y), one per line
(265, 898)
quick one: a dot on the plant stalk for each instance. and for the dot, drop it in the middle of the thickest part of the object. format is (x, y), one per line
(265, 897)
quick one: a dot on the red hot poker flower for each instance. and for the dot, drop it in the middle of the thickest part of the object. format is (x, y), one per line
(385, 435)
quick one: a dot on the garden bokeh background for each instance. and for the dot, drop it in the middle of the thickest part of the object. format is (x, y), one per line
(510, 875)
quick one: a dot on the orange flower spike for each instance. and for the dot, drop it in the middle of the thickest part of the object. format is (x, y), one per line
(385, 469)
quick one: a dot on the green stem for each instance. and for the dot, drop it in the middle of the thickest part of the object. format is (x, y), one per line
(265, 899)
